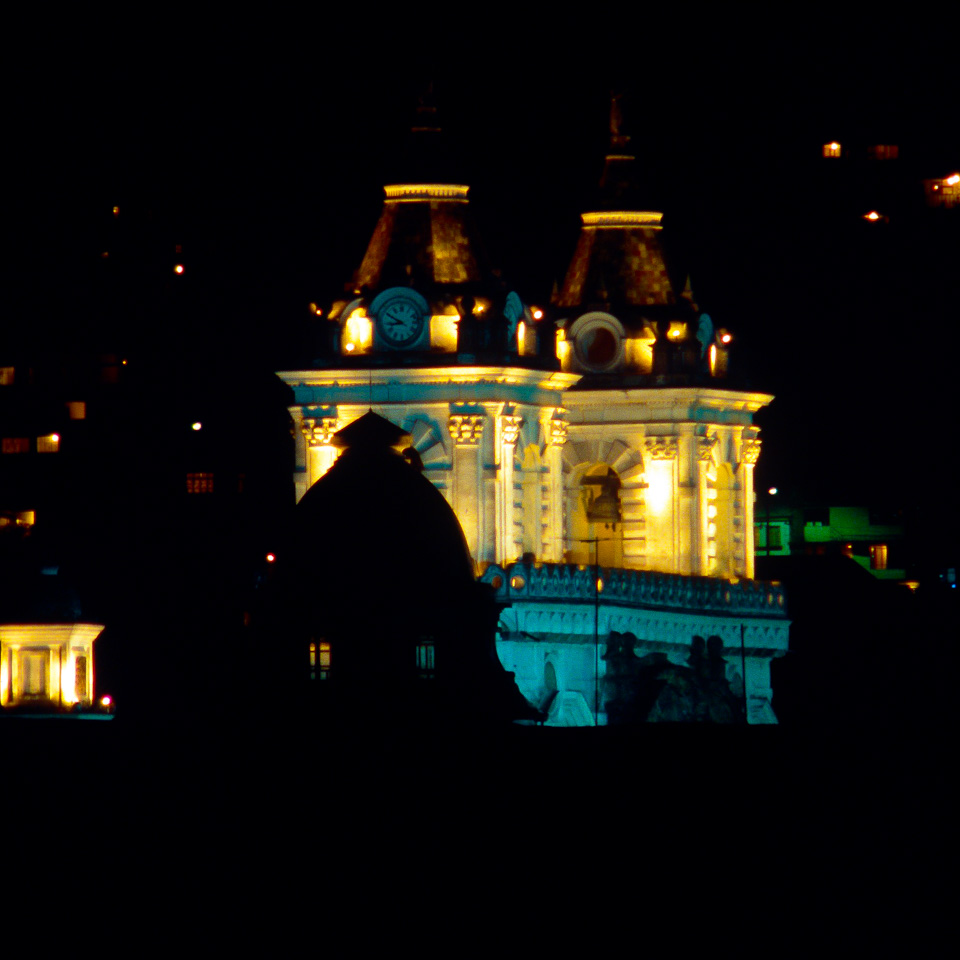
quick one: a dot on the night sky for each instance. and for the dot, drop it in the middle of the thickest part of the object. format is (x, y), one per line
(262, 150)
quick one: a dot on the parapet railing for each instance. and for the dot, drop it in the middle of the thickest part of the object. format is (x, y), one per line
(638, 588)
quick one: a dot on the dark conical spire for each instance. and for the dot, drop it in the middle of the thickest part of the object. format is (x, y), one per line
(619, 260)
(425, 237)
(426, 155)
(622, 184)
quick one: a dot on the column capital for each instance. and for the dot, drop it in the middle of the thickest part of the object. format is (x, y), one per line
(466, 429)
(510, 426)
(750, 451)
(557, 430)
(705, 447)
(661, 448)
(318, 431)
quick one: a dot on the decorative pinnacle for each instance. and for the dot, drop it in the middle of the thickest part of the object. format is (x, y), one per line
(426, 119)
(618, 139)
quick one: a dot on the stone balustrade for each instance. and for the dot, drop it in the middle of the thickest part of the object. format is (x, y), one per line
(637, 588)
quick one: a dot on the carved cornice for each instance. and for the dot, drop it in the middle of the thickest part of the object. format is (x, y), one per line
(661, 448)
(319, 432)
(466, 429)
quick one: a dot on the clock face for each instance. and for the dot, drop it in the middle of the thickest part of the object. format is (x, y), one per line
(400, 322)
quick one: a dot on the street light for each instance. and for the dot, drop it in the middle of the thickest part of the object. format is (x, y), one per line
(771, 493)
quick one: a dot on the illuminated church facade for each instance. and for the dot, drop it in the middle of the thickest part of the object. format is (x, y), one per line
(599, 463)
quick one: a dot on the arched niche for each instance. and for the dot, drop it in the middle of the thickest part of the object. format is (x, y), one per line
(596, 534)
(618, 542)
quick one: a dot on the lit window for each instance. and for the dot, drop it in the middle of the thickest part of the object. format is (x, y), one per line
(320, 658)
(49, 443)
(426, 662)
(357, 333)
(884, 151)
(831, 149)
(6, 376)
(878, 556)
(15, 445)
(199, 483)
(77, 409)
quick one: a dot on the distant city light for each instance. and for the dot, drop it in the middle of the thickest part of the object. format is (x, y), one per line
(55, 437)
(196, 425)
(271, 557)
(726, 338)
(772, 491)
(107, 700)
(537, 314)
(116, 211)
(178, 268)
(872, 215)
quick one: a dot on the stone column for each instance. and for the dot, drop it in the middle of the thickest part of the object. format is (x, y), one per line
(466, 430)
(508, 430)
(556, 429)
(749, 454)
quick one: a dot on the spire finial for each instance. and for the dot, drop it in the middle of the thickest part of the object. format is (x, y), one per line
(426, 118)
(618, 139)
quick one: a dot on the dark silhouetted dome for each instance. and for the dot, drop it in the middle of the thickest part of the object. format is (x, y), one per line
(375, 519)
(379, 580)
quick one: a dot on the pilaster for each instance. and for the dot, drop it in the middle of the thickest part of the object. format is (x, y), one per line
(661, 454)
(466, 431)
(749, 454)
(320, 453)
(508, 430)
(556, 436)
(703, 521)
